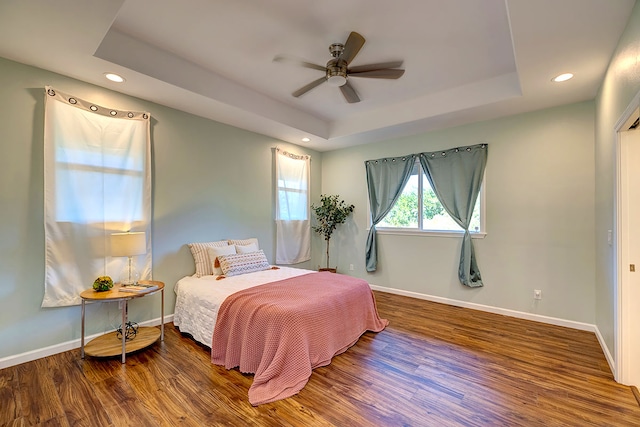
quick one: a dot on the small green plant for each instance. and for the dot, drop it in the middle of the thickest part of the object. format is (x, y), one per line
(102, 284)
(330, 213)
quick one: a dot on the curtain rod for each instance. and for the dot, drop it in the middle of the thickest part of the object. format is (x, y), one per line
(292, 155)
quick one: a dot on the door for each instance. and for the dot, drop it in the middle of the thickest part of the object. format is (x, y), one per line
(629, 245)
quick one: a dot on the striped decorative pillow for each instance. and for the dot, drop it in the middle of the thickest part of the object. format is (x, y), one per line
(204, 265)
(233, 265)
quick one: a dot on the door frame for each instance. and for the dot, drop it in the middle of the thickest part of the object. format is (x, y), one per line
(621, 357)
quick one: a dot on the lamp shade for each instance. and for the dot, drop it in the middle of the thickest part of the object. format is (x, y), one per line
(128, 244)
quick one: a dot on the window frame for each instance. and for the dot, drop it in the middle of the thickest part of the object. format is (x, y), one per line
(407, 231)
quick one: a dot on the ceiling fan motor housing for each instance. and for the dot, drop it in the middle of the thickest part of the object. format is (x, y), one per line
(337, 72)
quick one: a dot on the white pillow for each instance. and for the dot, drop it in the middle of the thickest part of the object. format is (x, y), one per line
(214, 253)
(201, 256)
(245, 249)
(233, 265)
(244, 242)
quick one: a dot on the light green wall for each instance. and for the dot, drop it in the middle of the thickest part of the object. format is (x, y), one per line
(620, 85)
(539, 218)
(211, 181)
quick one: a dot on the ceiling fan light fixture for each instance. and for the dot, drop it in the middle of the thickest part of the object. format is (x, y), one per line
(337, 80)
(337, 72)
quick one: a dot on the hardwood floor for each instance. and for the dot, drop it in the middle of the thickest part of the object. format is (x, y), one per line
(434, 365)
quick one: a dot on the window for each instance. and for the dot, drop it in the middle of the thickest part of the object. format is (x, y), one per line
(418, 209)
(292, 200)
(293, 188)
(118, 174)
(293, 227)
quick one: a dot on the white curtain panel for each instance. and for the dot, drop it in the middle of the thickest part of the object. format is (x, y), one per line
(97, 173)
(293, 225)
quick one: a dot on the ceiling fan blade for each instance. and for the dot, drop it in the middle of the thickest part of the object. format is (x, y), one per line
(349, 93)
(310, 86)
(352, 47)
(380, 66)
(295, 61)
(387, 73)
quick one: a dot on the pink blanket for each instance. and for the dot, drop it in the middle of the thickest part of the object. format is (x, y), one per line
(282, 330)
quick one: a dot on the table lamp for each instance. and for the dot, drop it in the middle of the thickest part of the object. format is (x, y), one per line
(128, 245)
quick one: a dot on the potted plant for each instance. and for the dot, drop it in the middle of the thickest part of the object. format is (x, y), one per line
(329, 214)
(102, 284)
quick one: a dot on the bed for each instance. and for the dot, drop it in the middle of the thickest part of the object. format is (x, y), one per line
(277, 323)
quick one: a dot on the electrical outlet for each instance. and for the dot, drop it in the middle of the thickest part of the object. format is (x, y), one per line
(537, 294)
(350, 267)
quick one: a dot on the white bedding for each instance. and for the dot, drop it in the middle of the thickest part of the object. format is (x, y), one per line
(199, 298)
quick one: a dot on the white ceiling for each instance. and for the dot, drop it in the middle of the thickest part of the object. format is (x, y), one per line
(465, 60)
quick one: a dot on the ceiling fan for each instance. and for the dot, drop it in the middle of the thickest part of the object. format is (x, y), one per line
(337, 71)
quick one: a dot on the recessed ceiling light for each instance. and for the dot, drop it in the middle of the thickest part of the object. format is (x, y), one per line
(305, 139)
(563, 77)
(114, 77)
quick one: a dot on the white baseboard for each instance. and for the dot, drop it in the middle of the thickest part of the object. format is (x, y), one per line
(497, 310)
(607, 353)
(17, 359)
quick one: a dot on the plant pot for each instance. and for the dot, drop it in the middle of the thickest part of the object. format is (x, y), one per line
(330, 270)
